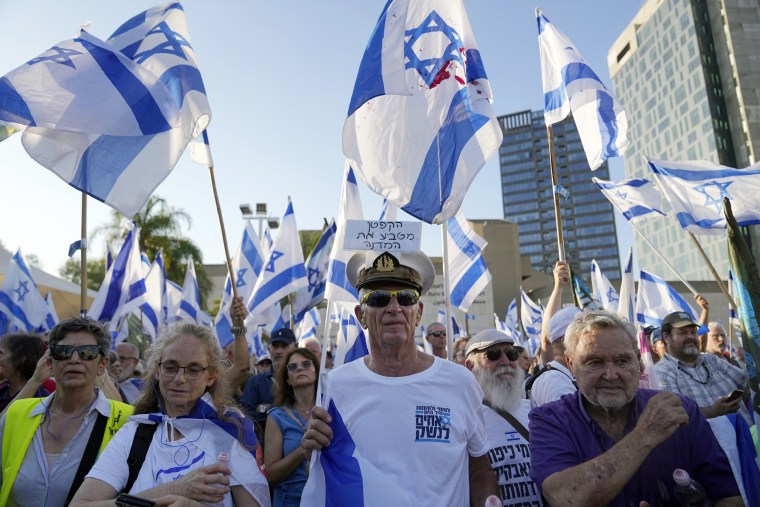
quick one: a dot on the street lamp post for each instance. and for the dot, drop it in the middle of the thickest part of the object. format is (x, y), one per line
(260, 215)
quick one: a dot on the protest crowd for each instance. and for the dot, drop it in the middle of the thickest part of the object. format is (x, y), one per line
(642, 404)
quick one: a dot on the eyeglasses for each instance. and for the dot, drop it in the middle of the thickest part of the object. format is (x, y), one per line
(306, 365)
(495, 354)
(192, 371)
(437, 334)
(64, 352)
(459, 353)
(381, 298)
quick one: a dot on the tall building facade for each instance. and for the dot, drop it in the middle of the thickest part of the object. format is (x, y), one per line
(688, 75)
(588, 223)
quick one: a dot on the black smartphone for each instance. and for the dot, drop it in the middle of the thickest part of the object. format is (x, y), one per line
(124, 500)
(735, 395)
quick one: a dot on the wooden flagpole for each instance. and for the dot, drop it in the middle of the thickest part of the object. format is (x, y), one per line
(555, 185)
(224, 233)
(663, 259)
(83, 257)
(446, 292)
(715, 275)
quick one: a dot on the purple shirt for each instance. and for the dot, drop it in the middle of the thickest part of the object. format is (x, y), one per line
(563, 435)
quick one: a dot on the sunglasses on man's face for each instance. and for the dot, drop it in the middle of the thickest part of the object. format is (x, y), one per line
(382, 298)
(495, 354)
(64, 352)
(437, 334)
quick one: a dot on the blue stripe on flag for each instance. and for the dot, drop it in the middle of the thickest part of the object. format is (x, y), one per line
(465, 244)
(150, 314)
(571, 72)
(277, 282)
(12, 106)
(338, 277)
(16, 310)
(687, 219)
(475, 68)
(189, 309)
(181, 79)
(693, 175)
(608, 126)
(343, 475)
(542, 22)
(636, 211)
(146, 111)
(104, 161)
(459, 291)
(139, 19)
(636, 183)
(442, 157)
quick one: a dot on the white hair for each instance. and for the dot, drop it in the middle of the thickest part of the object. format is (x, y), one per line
(588, 321)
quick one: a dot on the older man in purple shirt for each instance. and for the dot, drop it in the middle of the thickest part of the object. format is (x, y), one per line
(612, 443)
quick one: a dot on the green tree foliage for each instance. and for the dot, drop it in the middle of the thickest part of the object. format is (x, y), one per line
(96, 272)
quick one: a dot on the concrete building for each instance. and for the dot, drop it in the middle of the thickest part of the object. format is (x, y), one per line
(588, 221)
(688, 75)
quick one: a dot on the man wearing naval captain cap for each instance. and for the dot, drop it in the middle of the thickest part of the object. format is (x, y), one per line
(402, 409)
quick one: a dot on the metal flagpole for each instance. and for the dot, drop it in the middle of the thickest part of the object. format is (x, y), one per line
(83, 285)
(714, 272)
(446, 301)
(227, 257)
(555, 194)
(663, 259)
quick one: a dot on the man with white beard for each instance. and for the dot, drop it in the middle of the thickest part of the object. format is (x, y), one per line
(490, 355)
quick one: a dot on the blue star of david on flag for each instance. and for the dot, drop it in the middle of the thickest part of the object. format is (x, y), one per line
(22, 290)
(714, 201)
(61, 56)
(239, 281)
(612, 295)
(172, 46)
(313, 278)
(275, 255)
(445, 420)
(430, 68)
(622, 195)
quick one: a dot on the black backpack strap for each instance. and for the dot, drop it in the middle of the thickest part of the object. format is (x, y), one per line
(510, 419)
(530, 381)
(137, 452)
(89, 456)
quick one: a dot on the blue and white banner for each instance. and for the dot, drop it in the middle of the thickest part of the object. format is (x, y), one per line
(155, 287)
(602, 289)
(656, 299)
(512, 321)
(123, 289)
(531, 315)
(190, 305)
(626, 306)
(20, 300)
(351, 342)
(420, 123)
(246, 265)
(284, 270)
(635, 198)
(695, 191)
(200, 150)
(172, 300)
(317, 265)
(338, 287)
(468, 273)
(308, 327)
(388, 212)
(570, 85)
(122, 165)
(52, 319)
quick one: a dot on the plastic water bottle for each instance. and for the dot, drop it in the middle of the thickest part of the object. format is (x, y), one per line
(687, 491)
(221, 459)
(493, 501)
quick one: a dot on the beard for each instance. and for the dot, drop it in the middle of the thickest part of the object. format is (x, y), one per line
(501, 387)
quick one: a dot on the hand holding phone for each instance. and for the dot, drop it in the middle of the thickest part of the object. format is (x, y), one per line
(735, 395)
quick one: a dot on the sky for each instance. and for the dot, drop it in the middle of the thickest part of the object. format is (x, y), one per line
(279, 76)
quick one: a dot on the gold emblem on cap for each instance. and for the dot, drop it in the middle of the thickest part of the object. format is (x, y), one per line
(385, 263)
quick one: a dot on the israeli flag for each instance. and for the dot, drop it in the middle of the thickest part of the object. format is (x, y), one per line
(200, 150)
(123, 164)
(190, 305)
(123, 289)
(583, 297)
(570, 85)
(636, 198)
(602, 289)
(20, 299)
(258, 343)
(455, 329)
(468, 273)
(308, 327)
(351, 342)
(656, 299)
(531, 315)
(695, 191)
(317, 265)
(338, 287)
(442, 316)
(284, 270)
(512, 321)
(172, 301)
(501, 326)
(247, 264)
(52, 317)
(388, 212)
(153, 308)
(420, 123)
(626, 306)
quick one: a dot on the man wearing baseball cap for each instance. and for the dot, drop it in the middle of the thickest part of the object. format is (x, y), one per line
(705, 378)
(492, 358)
(397, 411)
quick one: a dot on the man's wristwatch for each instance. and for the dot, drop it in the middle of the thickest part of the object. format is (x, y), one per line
(238, 331)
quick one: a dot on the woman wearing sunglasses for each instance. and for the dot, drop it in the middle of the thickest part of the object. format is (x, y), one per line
(186, 420)
(49, 444)
(294, 397)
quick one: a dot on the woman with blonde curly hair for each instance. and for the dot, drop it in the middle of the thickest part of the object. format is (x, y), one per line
(193, 421)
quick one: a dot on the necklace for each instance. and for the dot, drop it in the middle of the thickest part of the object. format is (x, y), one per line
(48, 417)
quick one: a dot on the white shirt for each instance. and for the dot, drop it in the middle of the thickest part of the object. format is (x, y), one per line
(551, 385)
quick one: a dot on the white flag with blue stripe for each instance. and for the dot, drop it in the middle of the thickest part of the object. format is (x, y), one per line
(309, 325)
(512, 321)
(501, 326)
(388, 212)
(351, 342)
(190, 305)
(695, 191)
(52, 318)
(247, 265)
(284, 270)
(656, 299)
(635, 198)
(338, 287)
(420, 122)
(602, 289)
(468, 273)
(531, 315)
(317, 265)
(172, 301)
(123, 169)
(626, 306)
(20, 299)
(570, 85)
(200, 150)
(153, 308)
(123, 289)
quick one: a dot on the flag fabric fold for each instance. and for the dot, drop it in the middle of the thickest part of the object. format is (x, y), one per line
(570, 85)
(317, 265)
(582, 295)
(602, 289)
(626, 306)
(635, 198)
(531, 315)
(656, 299)
(351, 342)
(20, 300)
(190, 304)
(468, 273)
(420, 122)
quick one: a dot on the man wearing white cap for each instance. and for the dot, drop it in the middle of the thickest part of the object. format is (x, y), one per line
(492, 357)
(398, 413)
(554, 380)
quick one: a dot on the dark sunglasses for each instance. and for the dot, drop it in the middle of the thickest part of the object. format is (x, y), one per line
(381, 298)
(437, 334)
(306, 365)
(64, 352)
(495, 354)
